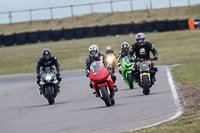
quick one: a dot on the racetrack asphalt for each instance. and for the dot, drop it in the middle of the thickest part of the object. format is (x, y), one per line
(76, 109)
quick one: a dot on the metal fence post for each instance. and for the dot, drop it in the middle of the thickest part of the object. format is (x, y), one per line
(131, 5)
(170, 4)
(189, 3)
(10, 17)
(91, 8)
(72, 10)
(31, 16)
(111, 6)
(51, 10)
(150, 4)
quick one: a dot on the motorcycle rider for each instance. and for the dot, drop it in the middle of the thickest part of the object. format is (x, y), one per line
(95, 55)
(142, 50)
(109, 50)
(47, 60)
(124, 52)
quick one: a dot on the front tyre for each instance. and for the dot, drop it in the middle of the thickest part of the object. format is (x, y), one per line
(130, 80)
(49, 94)
(146, 89)
(105, 96)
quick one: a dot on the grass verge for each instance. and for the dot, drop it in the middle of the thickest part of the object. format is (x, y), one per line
(173, 47)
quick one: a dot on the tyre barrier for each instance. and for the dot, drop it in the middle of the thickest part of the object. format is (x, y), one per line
(138, 27)
(183, 24)
(149, 26)
(91, 31)
(114, 29)
(172, 25)
(126, 28)
(161, 26)
(79, 32)
(45, 36)
(56, 35)
(9, 40)
(102, 30)
(1, 40)
(68, 34)
(32, 37)
(20, 38)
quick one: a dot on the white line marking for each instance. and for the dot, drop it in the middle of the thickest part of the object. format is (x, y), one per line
(177, 102)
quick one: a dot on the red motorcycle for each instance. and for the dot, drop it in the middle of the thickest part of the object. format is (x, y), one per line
(102, 82)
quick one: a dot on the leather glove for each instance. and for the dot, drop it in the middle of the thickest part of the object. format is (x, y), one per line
(131, 60)
(87, 72)
(38, 81)
(155, 57)
(58, 74)
(38, 76)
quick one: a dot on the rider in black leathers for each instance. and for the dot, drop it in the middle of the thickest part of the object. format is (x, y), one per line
(47, 60)
(142, 50)
(95, 55)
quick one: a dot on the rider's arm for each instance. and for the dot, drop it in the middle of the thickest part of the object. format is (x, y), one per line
(87, 63)
(119, 57)
(37, 70)
(153, 50)
(132, 49)
(57, 64)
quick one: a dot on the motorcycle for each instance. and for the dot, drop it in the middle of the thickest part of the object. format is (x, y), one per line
(111, 62)
(49, 84)
(145, 79)
(126, 69)
(102, 82)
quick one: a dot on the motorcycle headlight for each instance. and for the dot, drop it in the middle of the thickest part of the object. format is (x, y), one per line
(48, 77)
(109, 59)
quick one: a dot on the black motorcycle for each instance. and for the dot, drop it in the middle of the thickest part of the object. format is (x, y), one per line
(144, 78)
(49, 84)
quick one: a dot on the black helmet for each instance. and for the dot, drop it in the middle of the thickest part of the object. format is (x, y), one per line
(125, 46)
(46, 53)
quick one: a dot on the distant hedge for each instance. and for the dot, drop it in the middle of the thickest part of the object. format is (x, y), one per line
(94, 31)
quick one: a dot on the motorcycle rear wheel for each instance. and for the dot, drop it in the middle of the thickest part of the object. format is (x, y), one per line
(105, 97)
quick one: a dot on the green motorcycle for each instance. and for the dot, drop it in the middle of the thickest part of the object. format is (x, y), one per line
(126, 69)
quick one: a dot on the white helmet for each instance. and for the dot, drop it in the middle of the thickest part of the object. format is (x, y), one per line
(93, 48)
(108, 48)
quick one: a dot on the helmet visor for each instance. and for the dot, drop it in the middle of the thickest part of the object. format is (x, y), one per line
(93, 52)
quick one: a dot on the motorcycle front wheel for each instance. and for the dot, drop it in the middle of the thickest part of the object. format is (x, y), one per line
(130, 80)
(105, 96)
(146, 89)
(49, 94)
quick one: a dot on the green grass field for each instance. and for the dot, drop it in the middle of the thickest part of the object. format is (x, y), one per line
(173, 48)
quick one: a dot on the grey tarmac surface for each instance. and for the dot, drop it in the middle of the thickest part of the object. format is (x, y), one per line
(77, 110)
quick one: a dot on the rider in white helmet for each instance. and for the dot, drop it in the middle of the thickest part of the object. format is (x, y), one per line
(95, 55)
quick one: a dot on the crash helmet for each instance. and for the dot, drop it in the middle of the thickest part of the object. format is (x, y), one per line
(140, 36)
(46, 53)
(93, 50)
(125, 47)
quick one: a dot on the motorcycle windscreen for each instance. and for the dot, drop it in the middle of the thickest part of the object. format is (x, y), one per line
(144, 66)
(98, 71)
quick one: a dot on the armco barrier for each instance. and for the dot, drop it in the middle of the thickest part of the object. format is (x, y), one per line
(56, 35)
(68, 34)
(102, 30)
(9, 40)
(32, 37)
(126, 28)
(45, 36)
(1, 40)
(138, 27)
(20, 38)
(79, 32)
(149, 26)
(183, 24)
(114, 29)
(91, 31)
(172, 25)
(161, 26)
